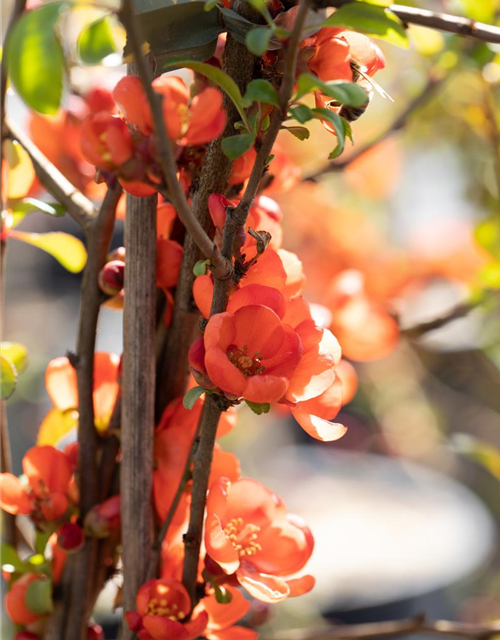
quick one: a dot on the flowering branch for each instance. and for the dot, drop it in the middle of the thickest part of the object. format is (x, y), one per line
(395, 628)
(78, 206)
(212, 408)
(221, 267)
(432, 86)
(432, 20)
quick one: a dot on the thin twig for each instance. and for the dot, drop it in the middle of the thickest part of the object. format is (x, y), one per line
(78, 206)
(459, 311)
(238, 64)
(221, 267)
(434, 83)
(234, 220)
(395, 628)
(432, 20)
(186, 475)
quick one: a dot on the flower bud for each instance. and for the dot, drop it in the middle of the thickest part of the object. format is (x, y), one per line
(103, 519)
(70, 537)
(111, 277)
(95, 632)
(116, 254)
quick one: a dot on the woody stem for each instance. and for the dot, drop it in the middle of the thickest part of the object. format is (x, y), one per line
(234, 220)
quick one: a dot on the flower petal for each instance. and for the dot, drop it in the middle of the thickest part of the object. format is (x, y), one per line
(261, 586)
(318, 427)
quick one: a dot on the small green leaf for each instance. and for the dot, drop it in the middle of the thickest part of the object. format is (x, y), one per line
(487, 234)
(36, 59)
(257, 40)
(301, 133)
(191, 396)
(371, 20)
(259, 408)
(38, 597)
(257, 4)
(17, 353)
(31, 205)
(201, 267)
(302, 113)
(222, 595)
(96, 41)
(348, 93)
(341, 127)
(8, 378)
(236, 146)
(66, 249)
(218, 77)
(41, 539)
(11, 559)
(210, 4)
(261, 91)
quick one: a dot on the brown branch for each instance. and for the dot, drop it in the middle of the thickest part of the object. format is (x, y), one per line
(432, 20)
(221, 267)
(234, 220)
(434, 83)
(172, 375)
(395, 628)
(69, 620)
(138, 393)
(9, 531)
(455, 313)
(78, 206)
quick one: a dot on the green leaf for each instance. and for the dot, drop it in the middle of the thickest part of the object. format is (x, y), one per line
(257, 40)
(481, 452)
(487, 234)
(302, 113)
(301, 133)
(222, 595)
(348, 93)
(38, 597)
(41, 539)
(10, 557)
(181, 29)
(96, 41)
(66, 249)
(191, 396)
(31, 205)
(371, 20)
(36, 59)
(341, 127)
(236, 146)
(261, 91)
(200, 268)
(8, 378)
(259, 408)
(210, 4)
(218, 77)
(17, 353)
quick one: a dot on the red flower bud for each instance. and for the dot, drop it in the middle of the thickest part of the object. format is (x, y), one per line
(95, 632)
(106, 141)
(70, 537)
(103, 519)
(116, 254)
(111, 277)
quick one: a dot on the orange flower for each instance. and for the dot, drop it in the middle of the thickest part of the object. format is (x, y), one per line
(196, 123)
(15, 600)
(173, 441)
(45, 498)
(223, 617)
(365, 330)
(332, 57)
(168, 263)
(60, 382)
(250, 534)
(162, 605)
(106, 141)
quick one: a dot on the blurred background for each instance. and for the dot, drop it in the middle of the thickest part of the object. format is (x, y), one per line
(405, 508)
